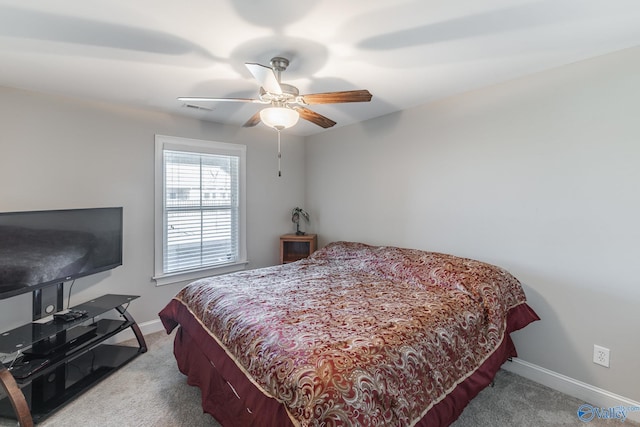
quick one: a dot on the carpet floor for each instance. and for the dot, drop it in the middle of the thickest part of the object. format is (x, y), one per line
(150, 391)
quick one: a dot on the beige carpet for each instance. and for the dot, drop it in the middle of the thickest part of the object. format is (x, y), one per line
(150, 391)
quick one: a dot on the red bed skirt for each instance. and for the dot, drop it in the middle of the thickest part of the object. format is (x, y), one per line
(234, 400)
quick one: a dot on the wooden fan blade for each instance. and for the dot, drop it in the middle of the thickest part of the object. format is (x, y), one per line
(314, 117)
(205, 99)
(337, 97)
(254, 120)
(265, 76)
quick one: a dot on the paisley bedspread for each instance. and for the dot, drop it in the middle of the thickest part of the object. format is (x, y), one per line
(357, 334)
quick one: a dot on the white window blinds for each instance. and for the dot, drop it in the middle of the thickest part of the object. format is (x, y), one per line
(201, 210)
(201, 214)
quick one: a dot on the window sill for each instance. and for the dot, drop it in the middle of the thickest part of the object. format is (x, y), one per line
(188, 276)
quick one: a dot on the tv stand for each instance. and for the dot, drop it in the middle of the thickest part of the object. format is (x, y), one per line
(57, 361)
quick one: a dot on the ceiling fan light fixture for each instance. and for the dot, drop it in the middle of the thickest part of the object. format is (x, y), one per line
(279, 117)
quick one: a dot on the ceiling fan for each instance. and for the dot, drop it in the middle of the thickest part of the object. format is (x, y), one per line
(286, 103)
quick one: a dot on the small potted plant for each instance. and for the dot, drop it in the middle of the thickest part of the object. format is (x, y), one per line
(296, 213)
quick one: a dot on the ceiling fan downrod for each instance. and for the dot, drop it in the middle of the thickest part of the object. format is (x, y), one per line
(279, 64)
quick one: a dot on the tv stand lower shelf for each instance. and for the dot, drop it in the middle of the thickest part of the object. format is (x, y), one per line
(60, 367)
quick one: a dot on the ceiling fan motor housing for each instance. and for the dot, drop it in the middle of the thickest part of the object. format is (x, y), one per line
(289, 94)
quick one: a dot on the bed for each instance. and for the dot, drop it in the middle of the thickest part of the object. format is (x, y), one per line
(353, 335)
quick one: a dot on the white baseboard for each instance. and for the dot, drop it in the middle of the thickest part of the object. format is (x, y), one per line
(146, 328)
(592, 395)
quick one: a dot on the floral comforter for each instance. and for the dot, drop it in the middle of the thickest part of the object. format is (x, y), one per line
(357, 334)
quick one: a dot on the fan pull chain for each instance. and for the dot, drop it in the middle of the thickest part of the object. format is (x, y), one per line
(279, 154)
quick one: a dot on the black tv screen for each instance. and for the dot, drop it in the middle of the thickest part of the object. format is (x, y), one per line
(42, 248)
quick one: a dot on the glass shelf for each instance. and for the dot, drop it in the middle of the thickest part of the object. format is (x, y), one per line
(23, 337)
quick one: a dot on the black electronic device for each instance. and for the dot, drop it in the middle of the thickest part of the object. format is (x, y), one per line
(61, 342)
(28, 367)
(39, 249)
(69, 315)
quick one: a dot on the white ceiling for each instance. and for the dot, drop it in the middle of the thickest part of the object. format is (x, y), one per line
(405, 52)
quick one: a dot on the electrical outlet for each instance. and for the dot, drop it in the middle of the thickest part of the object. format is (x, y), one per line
(601, 355)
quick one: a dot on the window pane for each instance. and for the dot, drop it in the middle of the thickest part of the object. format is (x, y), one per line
(201, 212)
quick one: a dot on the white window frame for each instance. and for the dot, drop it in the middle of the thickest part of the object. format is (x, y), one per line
(163, 142)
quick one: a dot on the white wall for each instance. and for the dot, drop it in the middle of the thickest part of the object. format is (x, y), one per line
(540, 175)
(58, 153)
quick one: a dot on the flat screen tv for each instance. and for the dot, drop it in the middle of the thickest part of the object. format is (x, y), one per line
(43, 248)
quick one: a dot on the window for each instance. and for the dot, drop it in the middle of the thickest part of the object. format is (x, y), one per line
(200, 215)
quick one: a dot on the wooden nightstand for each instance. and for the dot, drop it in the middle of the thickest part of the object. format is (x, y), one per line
(294, 247)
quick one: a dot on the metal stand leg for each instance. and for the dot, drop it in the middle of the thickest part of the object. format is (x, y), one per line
(135, 328)
(16, 398)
